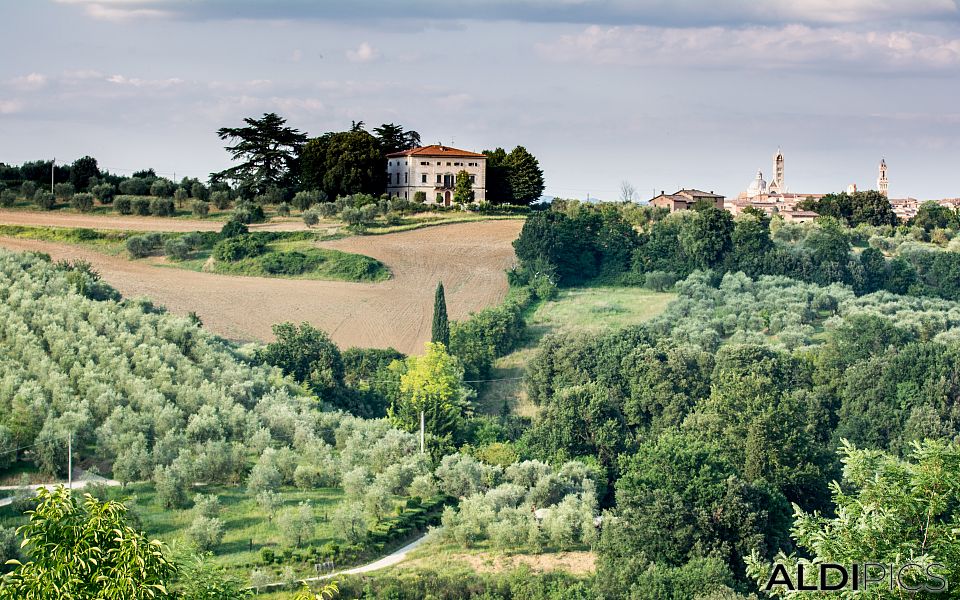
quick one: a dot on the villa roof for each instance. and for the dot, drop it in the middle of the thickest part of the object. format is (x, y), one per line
(437, 151)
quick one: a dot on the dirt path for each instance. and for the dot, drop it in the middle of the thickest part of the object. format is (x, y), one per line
(470, 259)
(129, 222)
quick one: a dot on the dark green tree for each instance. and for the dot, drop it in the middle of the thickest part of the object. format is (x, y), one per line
(440, 332)
(932, 216)
(706, 237)
(343, 163)
(307, 354)
(393, 138)
(463, 188)
(81, 171)
(525, 176)
(267, 149)
(498, 177)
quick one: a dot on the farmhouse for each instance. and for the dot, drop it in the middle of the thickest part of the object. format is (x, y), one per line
(685, 199)
(433, 171)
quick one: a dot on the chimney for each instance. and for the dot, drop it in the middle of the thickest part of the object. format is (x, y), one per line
(663, 192)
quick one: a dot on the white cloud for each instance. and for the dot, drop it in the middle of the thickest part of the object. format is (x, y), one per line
(119, 10)
(364, 53)
(757, 48)
(33, 81)
(144, 83)
(8, 107)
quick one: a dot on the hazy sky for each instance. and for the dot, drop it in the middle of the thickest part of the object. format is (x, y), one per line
(662, 93)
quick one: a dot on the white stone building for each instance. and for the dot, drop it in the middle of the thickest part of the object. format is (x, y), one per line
(433, 170)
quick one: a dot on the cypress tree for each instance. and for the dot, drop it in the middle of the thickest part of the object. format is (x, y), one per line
(441, 327)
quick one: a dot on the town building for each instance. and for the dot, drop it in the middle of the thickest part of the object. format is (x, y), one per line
(433, 170)
(882, 184)
(685, 199)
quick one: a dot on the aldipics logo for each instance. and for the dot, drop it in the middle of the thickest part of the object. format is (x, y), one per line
(831, 577)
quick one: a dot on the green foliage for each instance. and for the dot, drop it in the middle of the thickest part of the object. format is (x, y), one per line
(887, 510)
(205, 532)
(267, 149)
(221, 199)
(308, 355)
(135, 186)
(440, 332)
(104, 192)
(140, 206)
(177, 248)
(81, 172)
(343, 163)
(238, 247)
(44, 199)
(233, 228)
(200, 208)
(524, 177)
(123, 205)
(7, 198)
(82, 202)
(162, 188)
(86, 549)
(463, 188)
(64, 191)
(162, 207)
(140, 246)
(870, 207)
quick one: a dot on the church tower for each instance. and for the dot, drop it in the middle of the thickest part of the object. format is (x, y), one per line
(882, 183)
(777, 186)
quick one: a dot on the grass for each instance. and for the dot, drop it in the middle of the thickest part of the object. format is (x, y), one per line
(429, 219)
(589, 310)
(317, 263)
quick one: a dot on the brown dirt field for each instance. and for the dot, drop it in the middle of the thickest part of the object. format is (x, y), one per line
(470, 259)
(575, 563)
(130, 222)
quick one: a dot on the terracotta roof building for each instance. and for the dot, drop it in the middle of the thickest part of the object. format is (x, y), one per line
(433, 170)
(685, 199)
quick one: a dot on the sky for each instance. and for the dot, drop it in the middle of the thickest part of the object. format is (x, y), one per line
(662, 94)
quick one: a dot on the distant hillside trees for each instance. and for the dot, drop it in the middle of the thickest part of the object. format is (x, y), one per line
(870, 207)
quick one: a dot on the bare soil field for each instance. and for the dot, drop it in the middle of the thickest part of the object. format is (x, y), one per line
(470, 259)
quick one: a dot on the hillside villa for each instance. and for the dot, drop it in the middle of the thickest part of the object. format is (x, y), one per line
(433, 170)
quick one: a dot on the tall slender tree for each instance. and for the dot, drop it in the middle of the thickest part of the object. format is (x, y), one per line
(441, 326)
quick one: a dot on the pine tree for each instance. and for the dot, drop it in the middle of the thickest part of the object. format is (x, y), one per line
(441, 326)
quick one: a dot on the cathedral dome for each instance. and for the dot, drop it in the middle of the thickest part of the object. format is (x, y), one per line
(757, 187)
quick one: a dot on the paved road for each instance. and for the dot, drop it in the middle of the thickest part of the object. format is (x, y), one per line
(82, 480)
(395, 557)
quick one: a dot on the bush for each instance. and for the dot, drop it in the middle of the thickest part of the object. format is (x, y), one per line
(44, 199)
(177, 248)
(162, 207)
(304, 200)
(7, 198)
(233, 229)
(103, 192)
(63, 191)
(235, 248)
(220, 199)
(180, 196)
(247, 212)
(659, 281)
(311, 218)
(123, 205)
(28, 189)
(140, 206)
(420, 197)
(140, 246)
(283, 209)
(162, 188)
(82, 202)
(327, 210)
(205, 532)
(286, 263)
(200, 208)
(135, 186)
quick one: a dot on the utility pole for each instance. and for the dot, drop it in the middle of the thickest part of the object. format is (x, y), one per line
(70, 460)
(422, 428)
(52, 163)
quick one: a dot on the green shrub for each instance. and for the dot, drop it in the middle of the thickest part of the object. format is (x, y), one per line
(233, 228)
(311, 218)
(283, 209)
(420, 197)
(266, 556)
(8, 198)
(123, 205)
(248, 212)
(63, 191)
(162, 207)
(44, 199)
(305, 199)
(286, 263)
(82, 202)
(177, 248)
(135, 186)
(28, 189)
(104, 192)
(140, 206)
(200, 208)
(235, 248)
(140, 246)
(220, 199)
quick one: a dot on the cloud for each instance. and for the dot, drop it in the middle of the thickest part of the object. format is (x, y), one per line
(609, 12)
(757, 47)
(33, 81)
(363, 53)
(123, 10)
(9, 107)
(145, 83)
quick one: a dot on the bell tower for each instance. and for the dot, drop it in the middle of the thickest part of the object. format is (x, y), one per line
(883, 184)
(776, 185)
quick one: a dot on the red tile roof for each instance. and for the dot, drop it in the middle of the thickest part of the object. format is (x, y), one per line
(437, 151)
